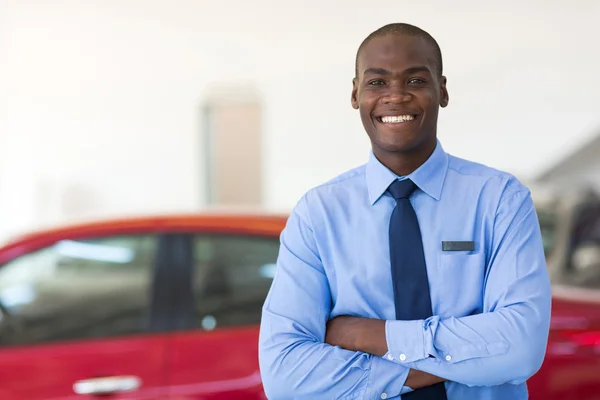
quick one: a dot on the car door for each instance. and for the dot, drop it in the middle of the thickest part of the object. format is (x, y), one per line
(216, 355)
(571, 369)
(78, 320)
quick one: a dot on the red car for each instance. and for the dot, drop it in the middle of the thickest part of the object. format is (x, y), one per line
(168, 307)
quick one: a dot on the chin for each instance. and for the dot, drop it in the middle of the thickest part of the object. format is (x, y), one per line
(402, 144)
(396, 148)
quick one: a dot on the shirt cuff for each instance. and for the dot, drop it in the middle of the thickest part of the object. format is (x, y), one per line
(386, 379)
(405, 341)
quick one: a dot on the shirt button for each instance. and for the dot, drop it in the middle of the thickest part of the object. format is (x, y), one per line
(448, 358)
(390, 357)
(402, 357)
(384, 396)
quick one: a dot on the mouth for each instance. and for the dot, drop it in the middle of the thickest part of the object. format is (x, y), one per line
(397, 119)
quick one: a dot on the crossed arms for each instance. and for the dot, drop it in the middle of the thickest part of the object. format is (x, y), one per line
(305, 355)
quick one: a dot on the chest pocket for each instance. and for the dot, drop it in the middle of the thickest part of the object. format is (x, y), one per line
(460, 275)
(461, 259)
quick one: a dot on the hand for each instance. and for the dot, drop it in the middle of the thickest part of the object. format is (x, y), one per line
(357, 334)
(418, 379)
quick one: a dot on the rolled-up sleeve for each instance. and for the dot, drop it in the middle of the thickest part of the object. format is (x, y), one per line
(507, 342)
(295, 363)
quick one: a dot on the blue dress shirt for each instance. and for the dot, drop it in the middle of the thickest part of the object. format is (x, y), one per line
(491, 306)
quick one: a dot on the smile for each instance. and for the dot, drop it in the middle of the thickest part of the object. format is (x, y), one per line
(396, 119)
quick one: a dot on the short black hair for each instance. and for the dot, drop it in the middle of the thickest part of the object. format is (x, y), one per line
(400, 29)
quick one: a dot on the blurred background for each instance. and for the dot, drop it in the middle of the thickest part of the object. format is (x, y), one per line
(116, 109)
(112, 108)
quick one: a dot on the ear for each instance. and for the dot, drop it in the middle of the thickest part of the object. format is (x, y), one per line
(354, 98)
(444, 99)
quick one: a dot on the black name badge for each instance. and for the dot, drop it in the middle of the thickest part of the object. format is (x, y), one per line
(458, 245)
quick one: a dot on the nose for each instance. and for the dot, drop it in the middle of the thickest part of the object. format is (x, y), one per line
(396, 94)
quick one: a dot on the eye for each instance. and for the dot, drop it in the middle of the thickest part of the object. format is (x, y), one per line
(416, 81)
(376, 82)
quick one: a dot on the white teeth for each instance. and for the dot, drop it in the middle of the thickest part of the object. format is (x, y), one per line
(397, 118)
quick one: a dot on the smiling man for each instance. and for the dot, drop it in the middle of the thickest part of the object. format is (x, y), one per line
(418, 274)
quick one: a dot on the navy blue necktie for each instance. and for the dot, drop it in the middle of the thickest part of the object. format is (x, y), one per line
(409, 272)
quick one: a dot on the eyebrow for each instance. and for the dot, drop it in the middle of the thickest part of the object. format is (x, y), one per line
(376, 71)
(420, 68)
(383, 71)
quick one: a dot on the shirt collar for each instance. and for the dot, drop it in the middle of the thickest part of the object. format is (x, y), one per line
(429, 177)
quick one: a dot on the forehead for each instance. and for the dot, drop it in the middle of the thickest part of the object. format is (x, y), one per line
(396, 52)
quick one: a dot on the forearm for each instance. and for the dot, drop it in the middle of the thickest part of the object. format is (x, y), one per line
(368, 335)
(511, 342)
(295, 366)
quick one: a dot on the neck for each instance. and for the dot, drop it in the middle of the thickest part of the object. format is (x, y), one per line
(405, 163)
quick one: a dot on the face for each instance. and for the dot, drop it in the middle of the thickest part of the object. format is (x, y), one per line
(398, 91)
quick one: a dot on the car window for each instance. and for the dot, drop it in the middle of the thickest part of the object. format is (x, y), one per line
(583, 268)
(231, 277)
(77, 289)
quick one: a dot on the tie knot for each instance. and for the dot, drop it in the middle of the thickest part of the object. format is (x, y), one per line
(402, 189)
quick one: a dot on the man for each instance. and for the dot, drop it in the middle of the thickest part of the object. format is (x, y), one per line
(419, 274)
